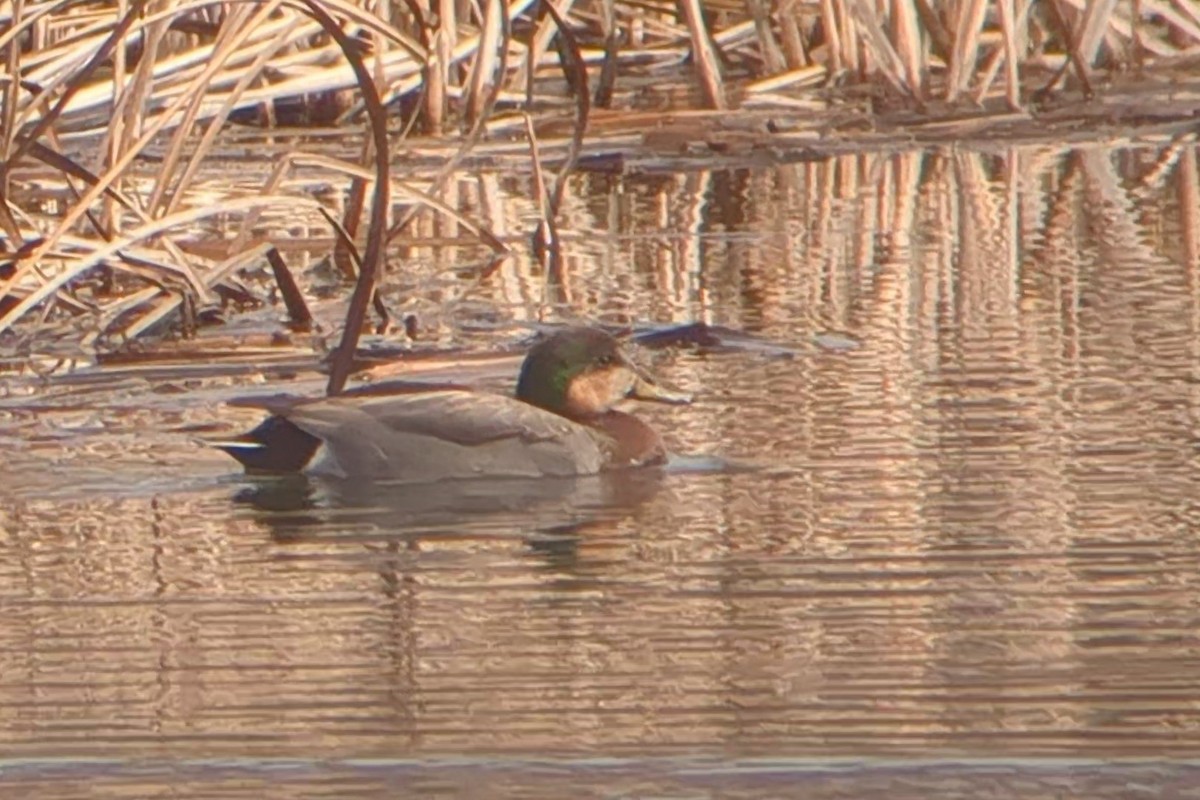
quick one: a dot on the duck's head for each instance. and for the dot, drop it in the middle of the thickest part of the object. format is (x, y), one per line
(582, 372)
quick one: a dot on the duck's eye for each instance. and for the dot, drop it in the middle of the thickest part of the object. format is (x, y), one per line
(606, 360)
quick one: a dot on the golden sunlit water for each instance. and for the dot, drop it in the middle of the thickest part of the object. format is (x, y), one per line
(934, 528)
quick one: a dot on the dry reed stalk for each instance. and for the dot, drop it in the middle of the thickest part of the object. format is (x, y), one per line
(1074, 58)
(851, 51)
(546, 242)
(905, 31)
(230, 39)
(485, 67)
(805, 76)
(356, 200)
(1012, 31)
(293, 298)
(602, 96)
(965, 47)
(773, 60)
(704, 55)
(833, 37)
(1188, 192)
(539, 43)
(373, 259)
(876, 42)
(438, 74)
(576, 72)
(794, 49)
(1096, 22)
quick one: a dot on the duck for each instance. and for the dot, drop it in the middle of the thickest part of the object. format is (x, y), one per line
(562, 421)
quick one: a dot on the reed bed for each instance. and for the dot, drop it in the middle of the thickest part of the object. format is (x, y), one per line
(116, 114)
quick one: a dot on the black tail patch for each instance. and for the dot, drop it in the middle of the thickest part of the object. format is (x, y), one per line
(276, 445)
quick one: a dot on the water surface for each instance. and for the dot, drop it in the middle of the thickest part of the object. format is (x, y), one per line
(960, 557)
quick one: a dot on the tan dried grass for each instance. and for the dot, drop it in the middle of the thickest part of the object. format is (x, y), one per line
(151, 81)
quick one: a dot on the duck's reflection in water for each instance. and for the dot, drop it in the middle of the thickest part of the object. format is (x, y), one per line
(298, 508)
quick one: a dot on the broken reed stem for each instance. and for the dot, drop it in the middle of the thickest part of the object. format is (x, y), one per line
(293, 299)
(345, 257)
(545, 240)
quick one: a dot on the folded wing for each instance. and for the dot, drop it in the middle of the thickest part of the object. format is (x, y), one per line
(440, 435)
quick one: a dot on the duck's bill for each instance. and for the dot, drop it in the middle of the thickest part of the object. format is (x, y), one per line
(644, 388)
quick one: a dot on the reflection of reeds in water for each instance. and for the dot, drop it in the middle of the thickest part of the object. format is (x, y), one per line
(1003, 248)
(1023, 386)
(98, 238)
(902, 241)
(979, 523)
